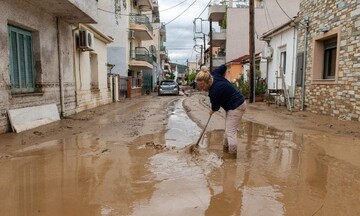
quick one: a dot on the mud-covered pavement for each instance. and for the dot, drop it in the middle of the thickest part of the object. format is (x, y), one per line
(132, 158)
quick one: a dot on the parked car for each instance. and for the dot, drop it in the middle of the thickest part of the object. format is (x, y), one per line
(169, 87)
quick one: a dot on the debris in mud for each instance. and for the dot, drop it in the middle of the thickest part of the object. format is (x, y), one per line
(97, 153)
(4, 156)
(38, 133)
(155, 146)
(105, 150)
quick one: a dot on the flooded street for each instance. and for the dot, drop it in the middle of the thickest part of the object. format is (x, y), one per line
(126, 164)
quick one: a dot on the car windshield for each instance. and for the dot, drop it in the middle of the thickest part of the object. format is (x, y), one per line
(167, 83)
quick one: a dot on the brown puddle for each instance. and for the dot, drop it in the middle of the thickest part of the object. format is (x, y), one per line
(275, 173)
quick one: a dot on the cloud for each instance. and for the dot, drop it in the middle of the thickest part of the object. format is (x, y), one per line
(180, 28)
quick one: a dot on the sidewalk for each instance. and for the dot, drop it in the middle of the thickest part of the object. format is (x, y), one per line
(277, 117)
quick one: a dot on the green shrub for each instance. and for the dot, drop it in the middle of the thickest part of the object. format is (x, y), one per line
(243, 86)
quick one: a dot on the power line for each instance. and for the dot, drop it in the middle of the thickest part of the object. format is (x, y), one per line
(283, 10)
(204, 9)
(181, 13)
(173, 6)
(268, 13)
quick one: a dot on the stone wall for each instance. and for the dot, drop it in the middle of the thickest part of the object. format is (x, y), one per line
(341, 98)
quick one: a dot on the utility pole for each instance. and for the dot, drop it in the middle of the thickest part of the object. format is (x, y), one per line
(204, 49)
(251, 52)
(211, 46)
(201, 56)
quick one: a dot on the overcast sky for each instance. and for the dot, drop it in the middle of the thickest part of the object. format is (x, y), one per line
(178, 16)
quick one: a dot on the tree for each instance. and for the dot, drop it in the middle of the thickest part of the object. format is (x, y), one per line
(192, 76)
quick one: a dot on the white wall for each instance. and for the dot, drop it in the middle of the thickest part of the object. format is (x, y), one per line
(91, 68)
(115, 25)
(283, 41)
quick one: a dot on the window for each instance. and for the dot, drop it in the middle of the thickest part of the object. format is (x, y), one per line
(94, 71)
(283, 61)
(21, 60)
(329, 58)
(325, 57)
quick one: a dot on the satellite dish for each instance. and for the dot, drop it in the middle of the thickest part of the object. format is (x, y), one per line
(152, 49)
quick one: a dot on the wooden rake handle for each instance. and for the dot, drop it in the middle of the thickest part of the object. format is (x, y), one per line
(203, 131)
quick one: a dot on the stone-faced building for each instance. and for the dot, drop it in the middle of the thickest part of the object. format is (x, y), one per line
(329, 33)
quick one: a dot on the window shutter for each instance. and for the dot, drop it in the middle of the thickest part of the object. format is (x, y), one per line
(21, 60)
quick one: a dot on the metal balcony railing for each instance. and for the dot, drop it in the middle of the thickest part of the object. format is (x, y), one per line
(142, 54)
(140, 20)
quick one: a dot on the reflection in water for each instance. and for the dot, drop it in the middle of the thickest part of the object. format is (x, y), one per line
(181, 187)
(228, 200)
(261, 201)
(289, 174)
(59, 178)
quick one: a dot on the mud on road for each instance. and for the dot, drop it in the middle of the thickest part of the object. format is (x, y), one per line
(131, 158)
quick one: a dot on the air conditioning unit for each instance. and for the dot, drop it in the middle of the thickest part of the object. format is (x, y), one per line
(86, 40)
(131, 34)
(268, 52)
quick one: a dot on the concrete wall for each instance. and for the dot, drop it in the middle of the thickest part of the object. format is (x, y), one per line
(91, 74)
(339, 97)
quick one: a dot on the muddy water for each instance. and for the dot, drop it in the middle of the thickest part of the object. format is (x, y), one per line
(181, 131)
(275, 173)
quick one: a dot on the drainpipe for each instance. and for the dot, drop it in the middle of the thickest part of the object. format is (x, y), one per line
(61, 82)
(74, 63)
(306, 20)
(267, 68)
(293, 66)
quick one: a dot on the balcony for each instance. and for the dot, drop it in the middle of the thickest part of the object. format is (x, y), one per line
(219, 58)
(219, 38)
(144, 5)
(163, 53)
(73, 11)
(163, 32)
(217, 12)
(141, 58)
(141, 26)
